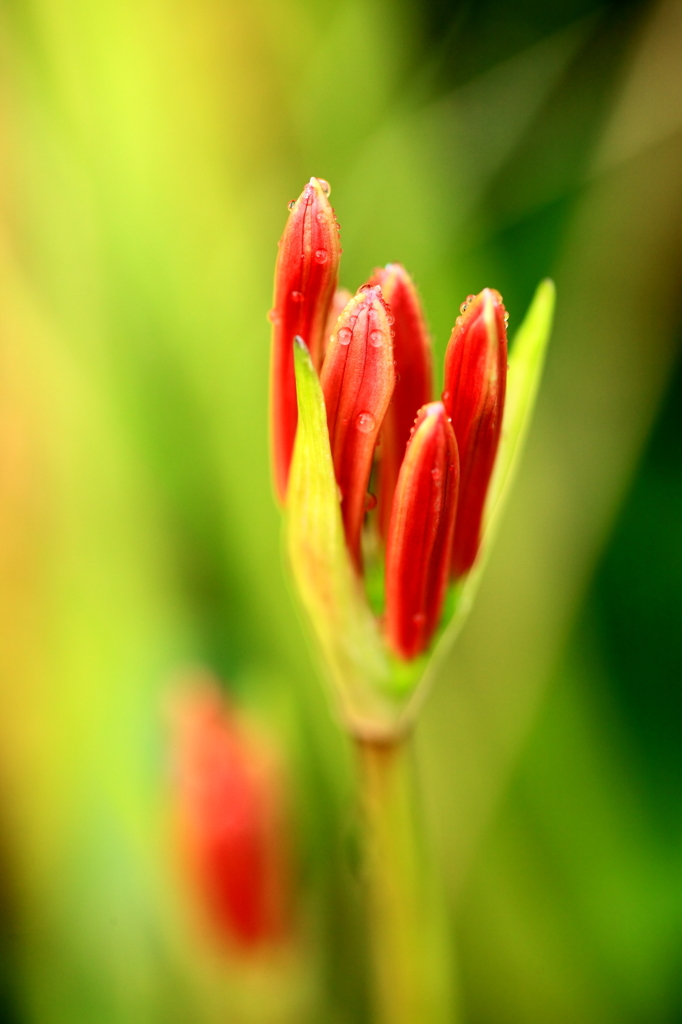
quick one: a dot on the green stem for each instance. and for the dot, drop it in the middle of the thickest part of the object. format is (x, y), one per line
(411, 957)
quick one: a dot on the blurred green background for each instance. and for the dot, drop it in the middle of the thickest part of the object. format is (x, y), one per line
(147, 153)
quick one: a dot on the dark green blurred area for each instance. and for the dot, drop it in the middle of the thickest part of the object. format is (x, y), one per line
(147, 154)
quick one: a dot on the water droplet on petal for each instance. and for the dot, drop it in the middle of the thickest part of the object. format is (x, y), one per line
(297, 296)
(446, 396)
(365, 422)
(376, 339)
(463, 307)
(419, 618)
(436, 473)
(291, 204)
(370, 501)
(321, 255)
(459, 321)
(320, 216)
(325, 186)
(344, 335)
(273, 316)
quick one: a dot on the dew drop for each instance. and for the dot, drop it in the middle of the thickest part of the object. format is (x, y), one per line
(344, 335)
(370, 501)
(470, 299)
(297, 296)
(419, 618)
(376, 339)
(459, 321)
(463, 308)
(436, 473)
(291, 204)
(446, 396)
(390, 318)
(365, 422)
(273, 316)
(339, 493)
(325, 186)
(506, 317)
(320, 216)
(321, 255)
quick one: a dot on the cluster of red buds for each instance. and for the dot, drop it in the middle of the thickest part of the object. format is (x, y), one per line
(428, 461)
(231, 817)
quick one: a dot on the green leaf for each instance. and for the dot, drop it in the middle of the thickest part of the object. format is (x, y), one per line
(327, 583)
(523, 380)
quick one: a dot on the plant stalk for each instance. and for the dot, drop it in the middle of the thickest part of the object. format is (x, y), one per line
(410, 950)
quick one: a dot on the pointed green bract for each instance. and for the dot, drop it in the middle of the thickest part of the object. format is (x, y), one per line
(523, 380)
(327, 583)
(526, 362)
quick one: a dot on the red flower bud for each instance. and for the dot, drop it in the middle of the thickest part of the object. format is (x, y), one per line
(475, 384)
(230, 813)
(305, 279)
(339, 302)
(418, 549)
(357, 381)
(414, 377)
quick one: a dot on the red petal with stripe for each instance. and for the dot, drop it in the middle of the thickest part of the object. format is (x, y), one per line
(357, 381)
(414, 378)
(305, 279)
(418, 549)
(475, 385)
(339, 302)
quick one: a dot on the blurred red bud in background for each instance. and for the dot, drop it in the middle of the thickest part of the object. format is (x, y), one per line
(232, 818)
